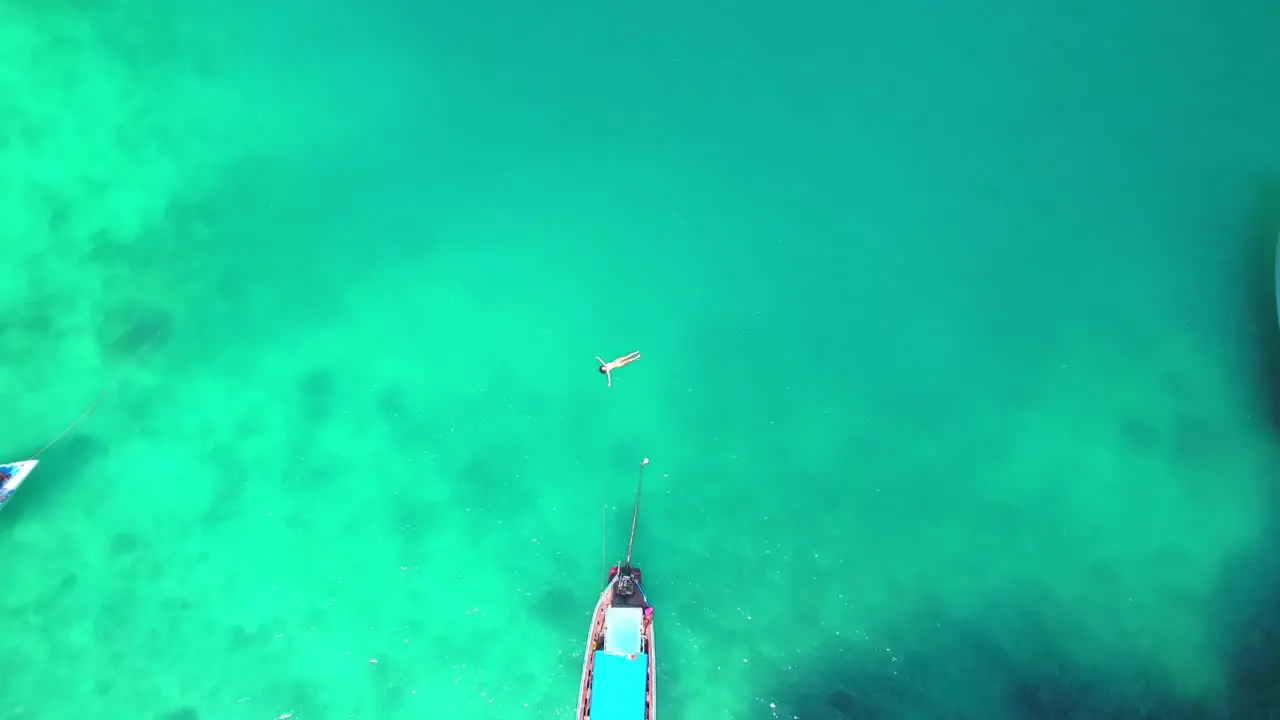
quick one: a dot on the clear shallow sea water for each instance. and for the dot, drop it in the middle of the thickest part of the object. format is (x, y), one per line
(959, 374)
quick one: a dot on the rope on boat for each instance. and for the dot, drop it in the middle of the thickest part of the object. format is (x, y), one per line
(72, 426)
(604, 519)
(636, 512)
(94, 405)
(604, 535)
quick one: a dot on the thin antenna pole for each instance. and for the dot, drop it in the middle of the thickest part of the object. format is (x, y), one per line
(636, 513)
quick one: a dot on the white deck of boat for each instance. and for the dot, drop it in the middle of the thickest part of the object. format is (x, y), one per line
(623, 628)
(20, 471)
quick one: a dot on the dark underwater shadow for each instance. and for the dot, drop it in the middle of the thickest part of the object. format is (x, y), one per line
(1000, 667)
(1248, 605)
(968, 668)
(1248, 596)
(1260, 286)
(127, 332)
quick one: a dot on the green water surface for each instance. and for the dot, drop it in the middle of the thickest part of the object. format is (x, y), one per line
(951, 379)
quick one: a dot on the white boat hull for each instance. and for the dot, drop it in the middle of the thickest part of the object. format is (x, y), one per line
(13, 475)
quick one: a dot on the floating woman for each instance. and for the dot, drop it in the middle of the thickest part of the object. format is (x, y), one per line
(607, 368)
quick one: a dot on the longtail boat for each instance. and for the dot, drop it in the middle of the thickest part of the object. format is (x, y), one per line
(619, 671)
(11, 477)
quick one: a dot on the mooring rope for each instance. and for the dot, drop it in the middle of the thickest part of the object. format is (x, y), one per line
(604, 534)
(94, 405)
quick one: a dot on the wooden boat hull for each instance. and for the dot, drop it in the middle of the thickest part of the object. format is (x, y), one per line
(619, 671)
(12, 476)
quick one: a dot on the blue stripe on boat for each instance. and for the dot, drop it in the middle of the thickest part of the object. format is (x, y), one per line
(618, 686)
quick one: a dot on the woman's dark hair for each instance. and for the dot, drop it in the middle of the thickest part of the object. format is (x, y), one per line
(603, 371)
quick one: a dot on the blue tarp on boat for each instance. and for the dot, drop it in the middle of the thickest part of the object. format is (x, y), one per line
(618, 686)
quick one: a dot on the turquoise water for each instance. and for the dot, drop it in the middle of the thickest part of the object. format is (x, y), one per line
(958, 377)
